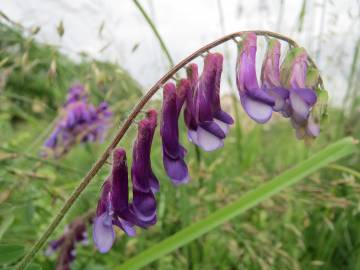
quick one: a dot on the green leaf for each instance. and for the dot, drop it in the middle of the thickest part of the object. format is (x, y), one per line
(5, 224)
(34, 266)
(254, 197)
(10, 253)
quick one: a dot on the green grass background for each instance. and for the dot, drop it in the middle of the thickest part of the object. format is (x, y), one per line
(313, 225)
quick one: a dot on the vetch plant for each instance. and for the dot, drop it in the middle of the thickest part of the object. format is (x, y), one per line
(78, 121)
(292, 89)
(74, 234)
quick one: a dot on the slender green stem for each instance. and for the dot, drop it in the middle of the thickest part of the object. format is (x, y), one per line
(123, 129)
(156, 32)
(342, 168)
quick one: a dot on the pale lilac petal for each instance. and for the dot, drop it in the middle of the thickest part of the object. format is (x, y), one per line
(207, 141)
(258, 111)
(103, 232)
(299, 106)
(312, 129)
(193, 136)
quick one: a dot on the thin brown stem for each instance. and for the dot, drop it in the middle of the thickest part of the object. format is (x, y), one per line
(129, 120)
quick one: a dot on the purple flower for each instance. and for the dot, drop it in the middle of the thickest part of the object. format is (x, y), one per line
(79, 121)
(76, 92)
(66, 244)
(302, 96)
(208, 124)
(113, 205)
(256, 101)
(270, 78)
(173, 151)
(145, 183)
(189, 110)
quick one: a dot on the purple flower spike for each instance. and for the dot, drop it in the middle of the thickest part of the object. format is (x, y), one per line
(78, 121)
(73, 234)
(173, 151)
(255, 100)
(144, 202)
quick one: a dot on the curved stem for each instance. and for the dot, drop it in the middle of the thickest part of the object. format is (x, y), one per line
(129, 120)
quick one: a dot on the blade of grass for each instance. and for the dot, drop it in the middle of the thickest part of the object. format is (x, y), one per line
(330, 154)
(156, 32)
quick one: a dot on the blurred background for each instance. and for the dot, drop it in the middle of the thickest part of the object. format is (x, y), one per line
(110, 48)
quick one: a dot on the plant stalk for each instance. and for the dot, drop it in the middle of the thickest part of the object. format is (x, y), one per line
(125, 126)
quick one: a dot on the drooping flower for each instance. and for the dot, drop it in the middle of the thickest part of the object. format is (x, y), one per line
(113, 206)
(302, 95)
(79, 121)
(173, 151)
(208, 124)
(145, 183)
(270, 78)
(256, 101)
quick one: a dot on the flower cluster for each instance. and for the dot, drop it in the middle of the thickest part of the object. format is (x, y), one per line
(113, 207)
(288, 88)
(79, 121)
(207, 123)
(66, 243)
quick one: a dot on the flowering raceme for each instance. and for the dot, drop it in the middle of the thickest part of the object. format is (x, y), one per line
(78, 121)
(289, 88)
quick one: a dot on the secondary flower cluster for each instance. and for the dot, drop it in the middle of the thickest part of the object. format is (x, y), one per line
(79, 121)
(288, 89)
(75, 233)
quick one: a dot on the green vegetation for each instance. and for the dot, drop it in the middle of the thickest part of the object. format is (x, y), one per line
(312, 225)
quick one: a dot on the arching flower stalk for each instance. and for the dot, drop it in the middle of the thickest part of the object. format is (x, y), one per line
(290, 91)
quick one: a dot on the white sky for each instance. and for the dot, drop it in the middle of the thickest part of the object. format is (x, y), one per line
(188, 24)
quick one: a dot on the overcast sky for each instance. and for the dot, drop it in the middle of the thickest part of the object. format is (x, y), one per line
(329, 31)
